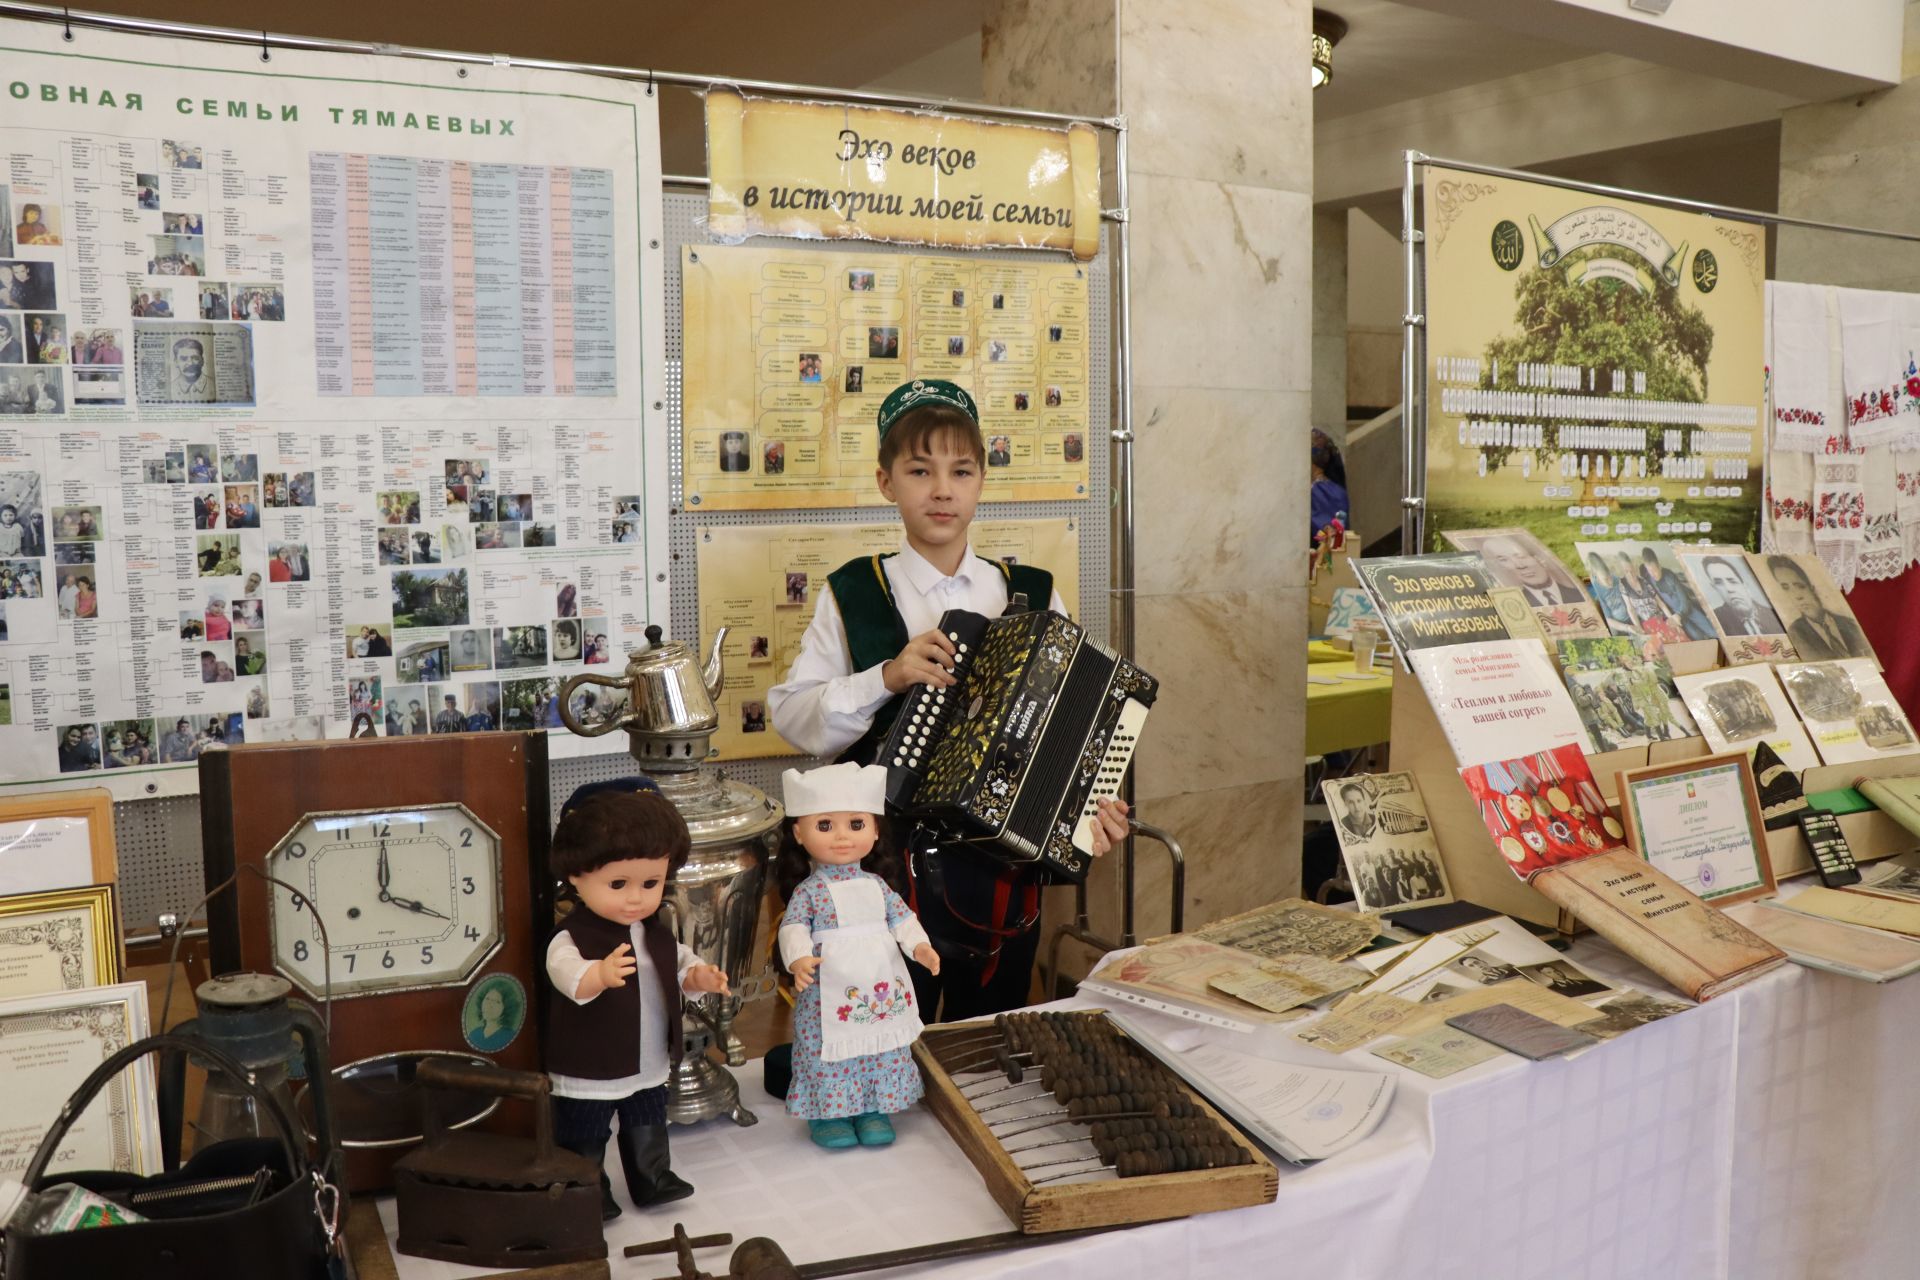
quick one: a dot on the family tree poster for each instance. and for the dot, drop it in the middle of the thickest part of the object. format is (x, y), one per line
(325, 393)
(1594, 366)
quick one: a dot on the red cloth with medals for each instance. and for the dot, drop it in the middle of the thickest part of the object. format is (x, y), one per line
(1542, 809)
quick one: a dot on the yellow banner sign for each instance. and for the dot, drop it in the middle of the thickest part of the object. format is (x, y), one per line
(830, 171)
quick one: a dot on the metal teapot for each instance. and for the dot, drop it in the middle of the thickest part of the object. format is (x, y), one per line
(670, 713)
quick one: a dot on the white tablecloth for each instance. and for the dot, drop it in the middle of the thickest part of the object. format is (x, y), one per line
(1772, 1132)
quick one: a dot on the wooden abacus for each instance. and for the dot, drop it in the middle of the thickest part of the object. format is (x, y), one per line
(1150, 1146)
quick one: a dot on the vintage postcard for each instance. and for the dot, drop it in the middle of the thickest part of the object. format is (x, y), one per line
(1438, 1053)
(1741, 706)
(1292, 926)
(1360, 1022)
(1849, 711)
(1289, 982)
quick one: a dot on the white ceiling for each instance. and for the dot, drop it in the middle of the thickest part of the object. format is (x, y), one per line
(1393, 52)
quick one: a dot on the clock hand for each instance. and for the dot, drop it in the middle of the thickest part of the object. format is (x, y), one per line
(418, 908)
(386, 874)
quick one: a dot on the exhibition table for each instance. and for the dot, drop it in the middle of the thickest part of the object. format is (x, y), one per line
(1347, 714)
(1768, 1133)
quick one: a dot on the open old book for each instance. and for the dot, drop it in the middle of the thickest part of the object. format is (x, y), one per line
(1697, 948)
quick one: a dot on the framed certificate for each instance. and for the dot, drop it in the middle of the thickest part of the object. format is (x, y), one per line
(48, 1045)
(56, 840)
(1699, 822)
(62, 940)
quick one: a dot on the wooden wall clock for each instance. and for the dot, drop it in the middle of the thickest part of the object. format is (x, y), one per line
(426, 858)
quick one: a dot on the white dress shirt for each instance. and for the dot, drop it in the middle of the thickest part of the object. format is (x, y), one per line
(824, 705)
(566, 966)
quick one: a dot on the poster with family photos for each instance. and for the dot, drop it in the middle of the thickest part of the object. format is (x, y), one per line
(1388, 846)
(266, 475)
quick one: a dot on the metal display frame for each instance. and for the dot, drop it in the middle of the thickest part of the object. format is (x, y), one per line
(159, 839)
(1413, 321)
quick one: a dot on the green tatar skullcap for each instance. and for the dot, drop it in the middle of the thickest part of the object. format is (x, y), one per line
(924, 391)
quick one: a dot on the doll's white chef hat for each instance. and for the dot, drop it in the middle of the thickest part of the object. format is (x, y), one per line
(836, 788)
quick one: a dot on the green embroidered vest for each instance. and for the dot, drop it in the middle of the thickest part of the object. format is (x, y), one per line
(877, 632)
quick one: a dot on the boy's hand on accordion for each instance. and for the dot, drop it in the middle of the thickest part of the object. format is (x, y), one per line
(927, 659)
(1109, 825)
(802, 971)
(928, 958)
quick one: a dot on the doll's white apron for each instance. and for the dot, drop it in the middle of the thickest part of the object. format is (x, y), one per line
(866, 997)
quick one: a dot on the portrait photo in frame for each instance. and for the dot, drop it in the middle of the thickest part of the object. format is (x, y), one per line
(60, 940)
(57, 840)
(1699, 822)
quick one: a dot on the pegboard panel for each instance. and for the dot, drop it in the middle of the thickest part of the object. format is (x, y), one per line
(159, 840)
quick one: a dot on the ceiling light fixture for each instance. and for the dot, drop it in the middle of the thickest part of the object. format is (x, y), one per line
(1328, 29)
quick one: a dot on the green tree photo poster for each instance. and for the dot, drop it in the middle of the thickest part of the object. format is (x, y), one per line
(1594, 366)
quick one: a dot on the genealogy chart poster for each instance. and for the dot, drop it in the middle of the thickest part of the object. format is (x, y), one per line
(1594, 366)
(325, 390)
(763, 581)
(789, 353)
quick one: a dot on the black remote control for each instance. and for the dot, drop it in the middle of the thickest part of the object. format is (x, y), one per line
(1832, 857)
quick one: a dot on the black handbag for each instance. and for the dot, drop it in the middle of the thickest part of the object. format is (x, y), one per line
(243, 1209)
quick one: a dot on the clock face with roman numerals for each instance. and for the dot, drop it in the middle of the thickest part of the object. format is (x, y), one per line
(410, 897)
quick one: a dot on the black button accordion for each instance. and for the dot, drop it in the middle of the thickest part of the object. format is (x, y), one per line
(1040, 724)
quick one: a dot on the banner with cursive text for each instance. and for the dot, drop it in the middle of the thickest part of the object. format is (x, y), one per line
(830, 171)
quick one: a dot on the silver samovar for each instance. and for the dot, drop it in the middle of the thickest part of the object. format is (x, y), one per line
(714, 901)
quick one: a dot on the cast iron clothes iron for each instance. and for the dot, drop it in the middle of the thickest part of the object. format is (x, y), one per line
(489, 1199)
(713, 903)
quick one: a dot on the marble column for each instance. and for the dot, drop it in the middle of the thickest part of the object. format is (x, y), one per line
(1854, 161)
(1330, 323)
(1221, 171)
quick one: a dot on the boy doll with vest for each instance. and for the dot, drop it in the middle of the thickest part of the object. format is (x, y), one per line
(613, 1032)
(874, 636)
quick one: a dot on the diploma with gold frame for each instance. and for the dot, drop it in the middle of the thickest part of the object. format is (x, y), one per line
(64, 940)
(48, 1045)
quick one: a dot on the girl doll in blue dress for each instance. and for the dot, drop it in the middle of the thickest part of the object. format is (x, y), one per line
(843, 938)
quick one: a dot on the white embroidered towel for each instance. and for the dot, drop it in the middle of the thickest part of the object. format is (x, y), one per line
(1802, 324)
(1789, 524)
(1906, 464)
(1872, 358)
(1883, 551)
(1839, 512)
